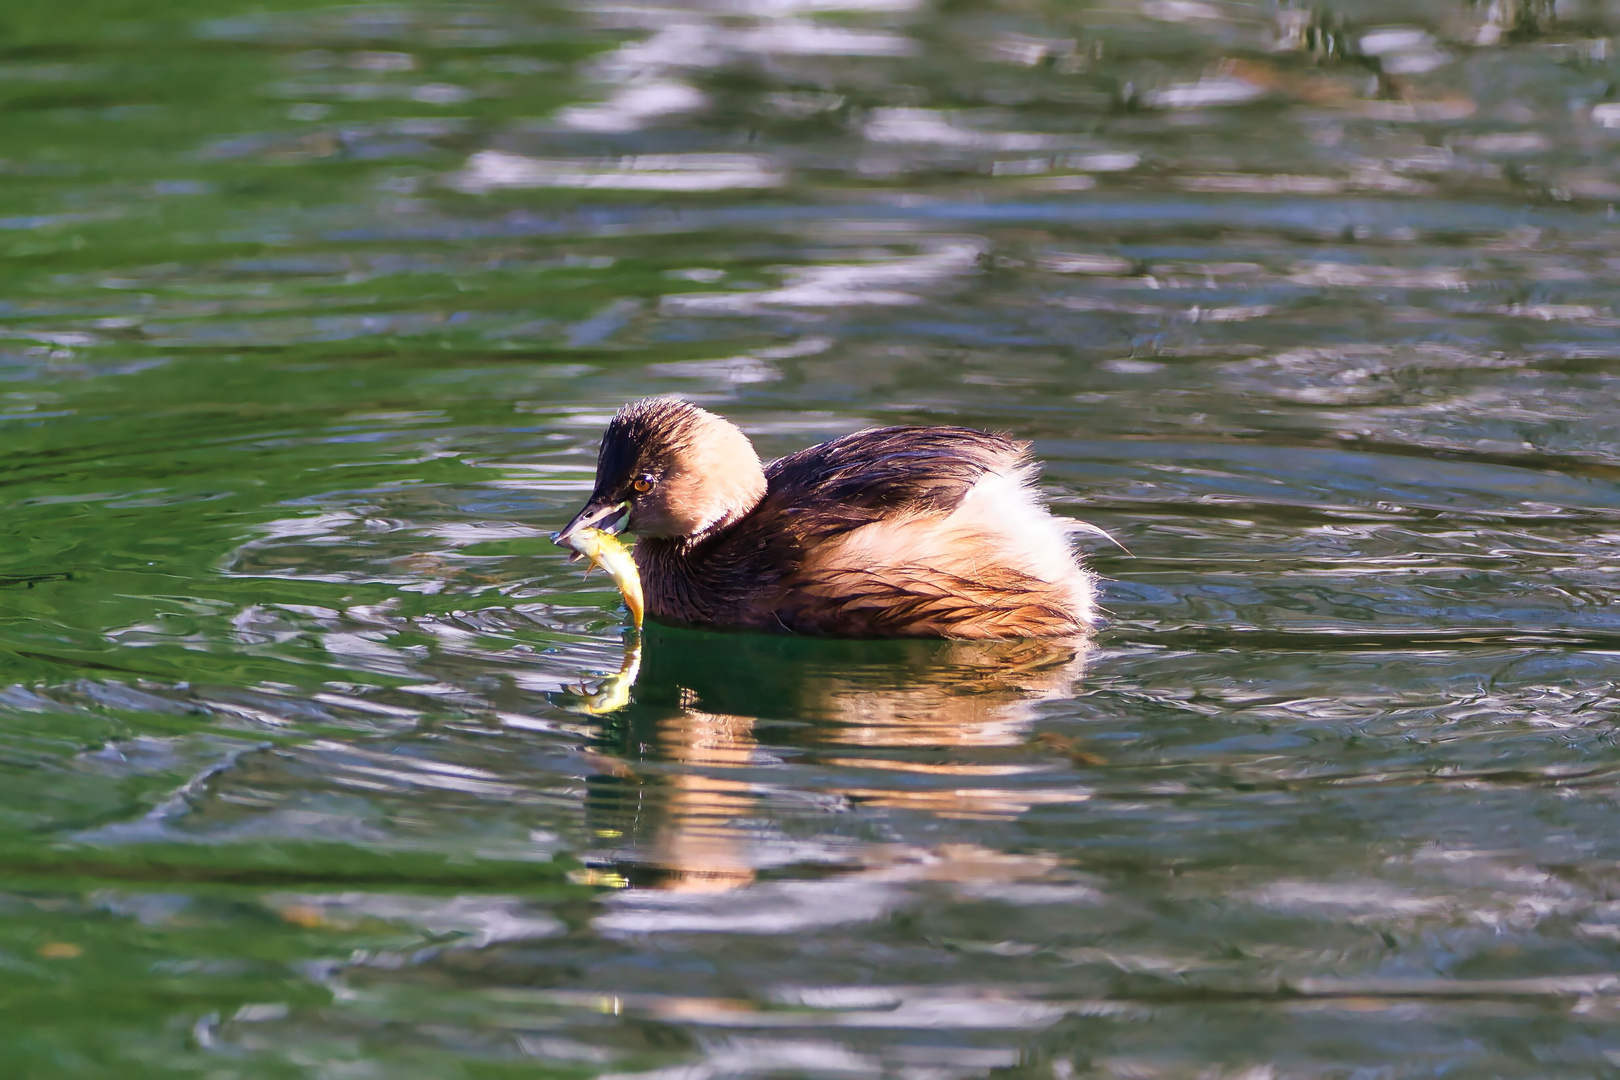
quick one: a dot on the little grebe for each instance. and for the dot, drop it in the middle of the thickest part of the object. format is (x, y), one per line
(893, 532)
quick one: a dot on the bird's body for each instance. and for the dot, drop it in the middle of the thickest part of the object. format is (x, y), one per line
(893, 532)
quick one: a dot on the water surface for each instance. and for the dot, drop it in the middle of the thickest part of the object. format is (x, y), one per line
(309, 322)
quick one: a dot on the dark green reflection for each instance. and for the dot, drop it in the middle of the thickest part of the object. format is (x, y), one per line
(782, 677)
(686, 766)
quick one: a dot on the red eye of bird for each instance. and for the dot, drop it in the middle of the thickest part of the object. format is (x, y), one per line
(643, 484)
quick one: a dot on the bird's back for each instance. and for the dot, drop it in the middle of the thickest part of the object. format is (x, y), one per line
(893, 532)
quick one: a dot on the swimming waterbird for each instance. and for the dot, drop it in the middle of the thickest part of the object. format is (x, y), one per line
(891, 532)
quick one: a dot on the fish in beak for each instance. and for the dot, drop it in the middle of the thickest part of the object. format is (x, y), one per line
(598, 513)
(591, 536)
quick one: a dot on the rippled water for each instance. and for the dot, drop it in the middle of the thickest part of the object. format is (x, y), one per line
(310, 320)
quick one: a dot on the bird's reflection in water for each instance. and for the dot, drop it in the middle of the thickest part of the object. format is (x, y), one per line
(679, 804)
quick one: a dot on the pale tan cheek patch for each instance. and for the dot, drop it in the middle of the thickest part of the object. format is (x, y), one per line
(679, 508)
(710, 486)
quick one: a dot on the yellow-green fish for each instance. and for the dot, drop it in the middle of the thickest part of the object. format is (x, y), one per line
(604, 549)
(613, 692)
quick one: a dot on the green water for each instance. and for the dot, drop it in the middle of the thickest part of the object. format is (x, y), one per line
(309, 321)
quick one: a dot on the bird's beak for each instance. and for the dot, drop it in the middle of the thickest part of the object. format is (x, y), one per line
(597, 514)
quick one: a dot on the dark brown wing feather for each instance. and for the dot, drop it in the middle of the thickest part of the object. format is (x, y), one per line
(856, 479)
(750, 575)
(997, 602)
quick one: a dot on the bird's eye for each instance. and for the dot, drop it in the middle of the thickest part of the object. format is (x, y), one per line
(643, 484)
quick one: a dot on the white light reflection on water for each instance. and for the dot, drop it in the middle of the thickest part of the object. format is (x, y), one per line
(832, 285)
(489, 170)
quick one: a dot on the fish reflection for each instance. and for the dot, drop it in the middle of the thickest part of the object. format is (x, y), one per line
(680, 804)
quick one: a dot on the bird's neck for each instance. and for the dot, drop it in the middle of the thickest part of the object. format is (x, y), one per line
(672, 576)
